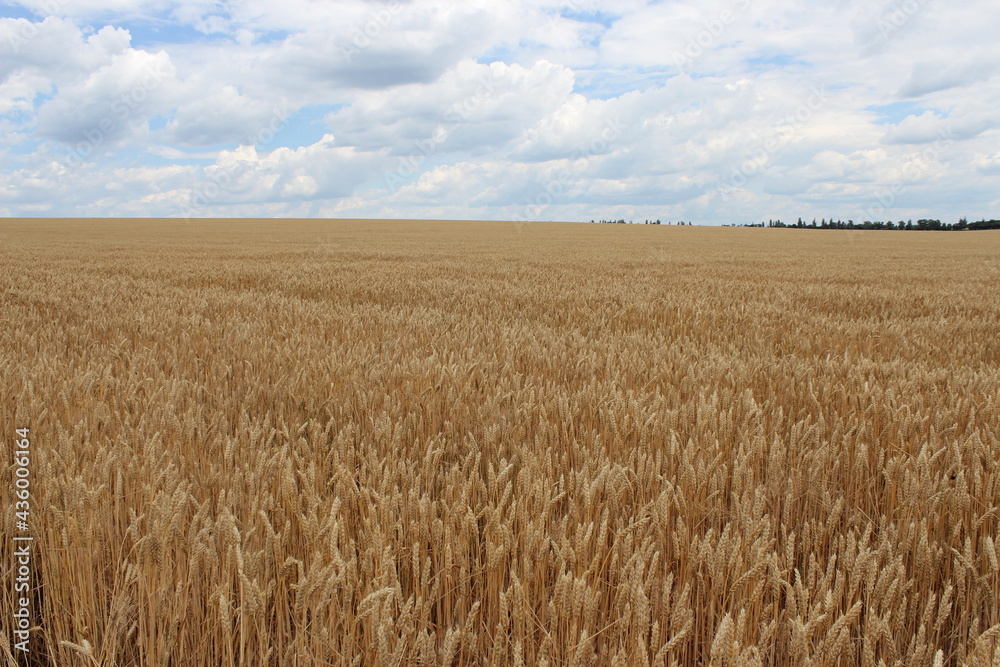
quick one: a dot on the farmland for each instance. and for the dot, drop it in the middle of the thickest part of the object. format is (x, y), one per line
(445, 443)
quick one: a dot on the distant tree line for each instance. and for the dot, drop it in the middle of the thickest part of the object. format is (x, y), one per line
(909, 225)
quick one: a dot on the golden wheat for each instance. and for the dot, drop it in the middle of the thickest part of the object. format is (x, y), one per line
(433, 443)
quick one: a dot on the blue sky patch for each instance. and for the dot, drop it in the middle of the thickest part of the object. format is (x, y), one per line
(608, 84)
(778, 61)
(605, 19)
(10, 12)
(896, 112)
(305, 127)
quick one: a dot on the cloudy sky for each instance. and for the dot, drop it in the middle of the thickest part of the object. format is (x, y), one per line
(715, 111)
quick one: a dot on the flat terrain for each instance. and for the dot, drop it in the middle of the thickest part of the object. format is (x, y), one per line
(437, 443)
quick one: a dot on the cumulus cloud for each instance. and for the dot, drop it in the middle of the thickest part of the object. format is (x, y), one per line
(471, 107)
(719, 111)
(929, 127)
(111, 102)
(57, 48)
(222, 117)
(934, 76)
(242, 176)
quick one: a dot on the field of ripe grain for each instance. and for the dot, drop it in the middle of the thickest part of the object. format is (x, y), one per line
(432, 443)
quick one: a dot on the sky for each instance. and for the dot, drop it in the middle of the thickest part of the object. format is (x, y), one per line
(712, 112)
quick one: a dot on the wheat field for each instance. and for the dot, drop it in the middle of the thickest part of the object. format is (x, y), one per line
(446, 443)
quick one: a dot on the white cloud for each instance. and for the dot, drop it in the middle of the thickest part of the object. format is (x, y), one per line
(532, 108)
(471, 107)
(112, 102)
(926, 127)
(18, 92)
(57, 48)
(224, 116)
(931, 77)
